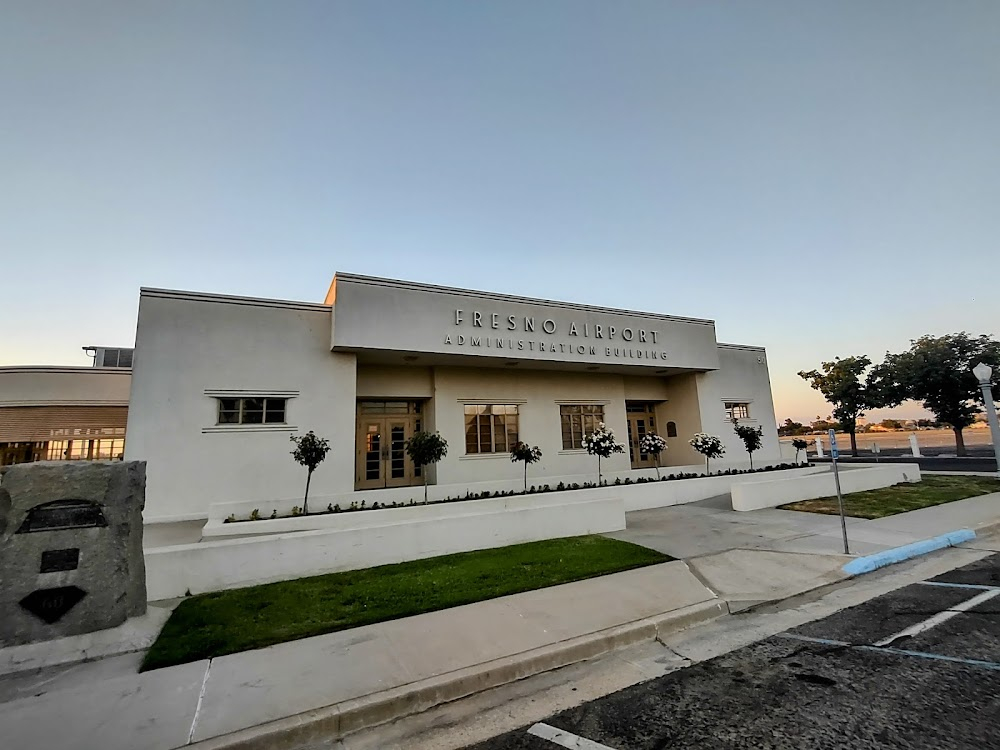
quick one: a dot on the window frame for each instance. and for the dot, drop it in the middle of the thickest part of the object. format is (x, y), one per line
(241, 412)
(484, 416)
(566, 417)
(731, 408)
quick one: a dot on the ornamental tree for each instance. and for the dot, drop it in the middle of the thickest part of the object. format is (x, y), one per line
(752, 437)
(654, 445)
(601, 443)
(799, 445)
(938, 372)
(309, 452)
(710, 446)
(843, 384)
(424, 449)
(526, 453)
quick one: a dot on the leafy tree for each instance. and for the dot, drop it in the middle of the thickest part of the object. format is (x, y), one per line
(799, 445)
(892, 424)
(602, 443)
(309, 452)
(752, 437)
(654, 445)
(424, 449)
(526, 453)
(710, 446)
(791, 428)
(938, 372)
(841, 384)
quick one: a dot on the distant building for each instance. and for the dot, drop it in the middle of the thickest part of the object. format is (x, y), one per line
(66, 413)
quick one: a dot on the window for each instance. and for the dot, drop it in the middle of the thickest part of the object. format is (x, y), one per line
(737, 410)
(254, 410)
(579, 420)
(490, 428)
(671, 429)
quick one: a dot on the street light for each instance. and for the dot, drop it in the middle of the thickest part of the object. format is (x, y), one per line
(983, 372)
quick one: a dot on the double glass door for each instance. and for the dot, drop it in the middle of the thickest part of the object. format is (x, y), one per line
(641, 421)
(383, 429)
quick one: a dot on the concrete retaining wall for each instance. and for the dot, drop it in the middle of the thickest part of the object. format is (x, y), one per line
(775, 492)
(233, 563)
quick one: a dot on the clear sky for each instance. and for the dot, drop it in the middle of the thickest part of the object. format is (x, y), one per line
(819, 178)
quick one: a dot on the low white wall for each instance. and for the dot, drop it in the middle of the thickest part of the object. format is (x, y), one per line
(435, 492)
(233, 563)
(774, 492)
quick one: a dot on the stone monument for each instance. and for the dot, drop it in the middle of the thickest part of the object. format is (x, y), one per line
(70, 548)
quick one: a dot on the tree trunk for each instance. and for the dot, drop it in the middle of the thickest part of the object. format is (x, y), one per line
(305, 501)
(525, 477)
(751, 460)
(656, 461)
(598, 469)
(959, 441)
(706, 466)
(854, 444)
(424, 475)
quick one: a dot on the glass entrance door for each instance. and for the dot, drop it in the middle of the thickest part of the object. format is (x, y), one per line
(641, 421)
(383, 429)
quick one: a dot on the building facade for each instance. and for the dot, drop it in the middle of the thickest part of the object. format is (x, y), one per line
(220, 383)
(64, 413)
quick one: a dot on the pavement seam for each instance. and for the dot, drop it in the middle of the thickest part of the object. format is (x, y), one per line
(201, 698)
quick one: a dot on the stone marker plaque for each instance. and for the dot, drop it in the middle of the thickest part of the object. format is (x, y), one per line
(70, 548)
(56, 560)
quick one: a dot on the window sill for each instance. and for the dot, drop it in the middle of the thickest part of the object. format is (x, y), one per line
(480, 456)
(250, 428)
(572, 452)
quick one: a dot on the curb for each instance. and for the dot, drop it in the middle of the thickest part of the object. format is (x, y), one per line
(329, 723)
(868, 563)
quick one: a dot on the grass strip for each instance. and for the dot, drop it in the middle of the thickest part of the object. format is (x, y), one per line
(900, 498)
(226, 622)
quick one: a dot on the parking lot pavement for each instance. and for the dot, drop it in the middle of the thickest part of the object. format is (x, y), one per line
(915, 668)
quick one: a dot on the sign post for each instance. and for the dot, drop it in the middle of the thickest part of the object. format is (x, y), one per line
(834, 455)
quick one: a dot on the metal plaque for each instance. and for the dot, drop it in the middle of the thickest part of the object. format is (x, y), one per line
(63, 514)
(55, 560)
(51, 604)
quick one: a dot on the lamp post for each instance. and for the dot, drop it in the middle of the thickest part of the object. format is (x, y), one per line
(983, 372)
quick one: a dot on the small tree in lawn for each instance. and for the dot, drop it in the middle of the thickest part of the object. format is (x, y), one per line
(526, 453)
(309, 452)
(710, 446)
(752, 437)
(601, 443)
(424, 449)
(799, 445)
(654, 445)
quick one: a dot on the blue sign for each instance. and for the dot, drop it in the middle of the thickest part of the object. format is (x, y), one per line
(833, 444)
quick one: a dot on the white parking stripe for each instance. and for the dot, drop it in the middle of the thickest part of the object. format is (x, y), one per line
(565, 739)
(940, 617)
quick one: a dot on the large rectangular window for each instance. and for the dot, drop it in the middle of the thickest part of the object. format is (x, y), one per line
(254, 410)
(490, 428)
(579, 420)
(737, 410)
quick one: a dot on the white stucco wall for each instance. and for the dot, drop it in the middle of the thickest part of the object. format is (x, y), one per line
(64, 386)
(742, 377)
(189, 346)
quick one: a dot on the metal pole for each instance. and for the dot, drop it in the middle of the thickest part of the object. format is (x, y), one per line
(840, 503)
(991, 417)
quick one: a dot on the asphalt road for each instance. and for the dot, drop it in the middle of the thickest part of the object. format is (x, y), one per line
(916, 668)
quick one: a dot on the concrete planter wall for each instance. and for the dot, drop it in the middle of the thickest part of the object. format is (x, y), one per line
(367, 540)
(774, 492)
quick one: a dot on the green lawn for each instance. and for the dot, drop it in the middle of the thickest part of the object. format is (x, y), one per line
(932, 490)
(229, 621)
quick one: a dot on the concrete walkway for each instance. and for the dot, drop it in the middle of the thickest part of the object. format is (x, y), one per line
(331, 683)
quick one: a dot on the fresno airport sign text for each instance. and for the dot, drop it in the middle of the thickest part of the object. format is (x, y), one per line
(603, 339)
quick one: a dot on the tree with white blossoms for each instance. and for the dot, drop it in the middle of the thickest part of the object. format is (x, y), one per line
(710, 446)
(526, 453)
(654, 445)
(601, 443)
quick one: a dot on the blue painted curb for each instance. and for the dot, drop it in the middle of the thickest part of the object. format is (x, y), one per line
(868, 563)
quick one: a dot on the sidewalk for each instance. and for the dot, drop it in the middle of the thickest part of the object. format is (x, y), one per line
(351, 678)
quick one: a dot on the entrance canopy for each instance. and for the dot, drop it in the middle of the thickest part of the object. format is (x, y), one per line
(386, 321)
